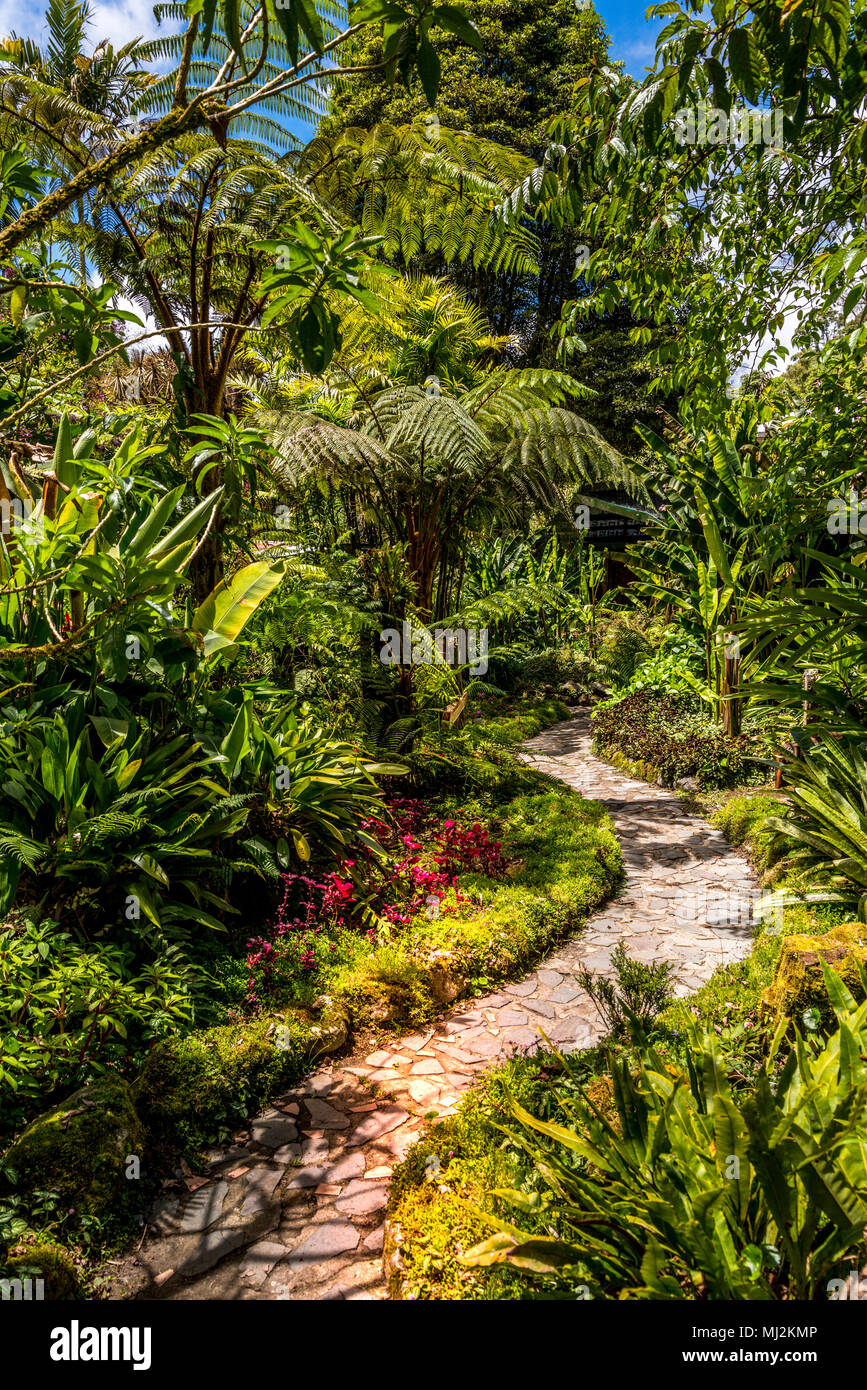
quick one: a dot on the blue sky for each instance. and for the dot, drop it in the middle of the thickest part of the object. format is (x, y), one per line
(633, 38)
(120, 20)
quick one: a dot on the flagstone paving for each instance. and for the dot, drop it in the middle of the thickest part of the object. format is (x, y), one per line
(295, 1209)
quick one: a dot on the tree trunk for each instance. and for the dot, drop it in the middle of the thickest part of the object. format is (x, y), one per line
(731, 709)
(208, 566)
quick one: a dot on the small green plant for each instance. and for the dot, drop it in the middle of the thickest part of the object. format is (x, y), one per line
(637, 993)
(68, 1012)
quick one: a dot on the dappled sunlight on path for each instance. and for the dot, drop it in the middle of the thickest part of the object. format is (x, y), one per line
(294, 1210)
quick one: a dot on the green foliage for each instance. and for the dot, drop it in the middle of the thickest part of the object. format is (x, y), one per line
(200, 1087)
(78, 1150)
(492, 109)
(806, 72)
(625, 647)
(555, 667)
(827, 819)
(755, 1197)
(638, 992)
(130, 829)
(744, 820)
(311, 268)
(673, 739)
(673, 669)
(67, 1012)
(521, 720)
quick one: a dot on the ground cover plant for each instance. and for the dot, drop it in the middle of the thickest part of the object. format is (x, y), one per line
(671, 737)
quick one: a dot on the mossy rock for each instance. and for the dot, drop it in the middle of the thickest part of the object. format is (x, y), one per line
(637, 768)
(380, 999)
(600, 1093)
(79, 1149)
(198, 1088)
(48, 1262)
(328, 1030)
(798, 982)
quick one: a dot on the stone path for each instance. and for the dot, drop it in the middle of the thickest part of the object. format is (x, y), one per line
(295, 1209)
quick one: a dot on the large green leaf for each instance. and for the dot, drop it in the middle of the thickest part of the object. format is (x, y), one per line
(222, 616)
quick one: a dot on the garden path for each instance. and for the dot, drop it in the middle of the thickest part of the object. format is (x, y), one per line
(294, 1210)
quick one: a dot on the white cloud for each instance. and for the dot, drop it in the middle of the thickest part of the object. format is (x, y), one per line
(117, 22)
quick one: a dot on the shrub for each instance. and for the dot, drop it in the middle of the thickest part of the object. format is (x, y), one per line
(625, 645)
(556, 667)
(675, 666)
(669, 736)
(636, 994)
(68, 1012)
(827, 818)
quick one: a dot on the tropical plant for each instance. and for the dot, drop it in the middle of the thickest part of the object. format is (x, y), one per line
(68, 1012)
(827, 817)
(501, 95)
(424, 461)
(821, 626)
(691, 1191)
(635, 156)
(118, 837)
(259, 62)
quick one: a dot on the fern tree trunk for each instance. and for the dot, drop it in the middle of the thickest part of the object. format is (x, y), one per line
(208, 565)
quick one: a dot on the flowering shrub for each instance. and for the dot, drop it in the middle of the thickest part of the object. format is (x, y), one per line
(421, 865)
(470, 849)
(299, 947)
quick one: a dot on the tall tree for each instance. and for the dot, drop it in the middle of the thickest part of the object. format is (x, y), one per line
(533, 54)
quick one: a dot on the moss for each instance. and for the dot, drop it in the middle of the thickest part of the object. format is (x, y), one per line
(529, 718)
(200, 1087)
(742, 821)
(799, 982)
(46, 1261)
(638, 768)
(79, 1148)
(600, 1093)
(438, 1192)
(566, 861)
